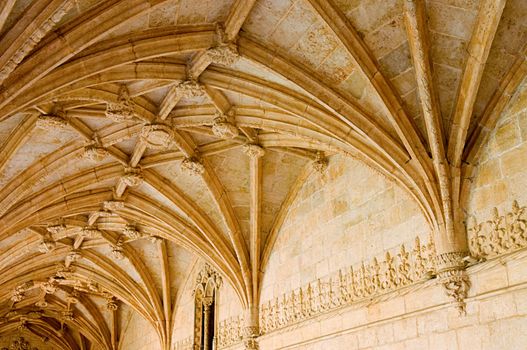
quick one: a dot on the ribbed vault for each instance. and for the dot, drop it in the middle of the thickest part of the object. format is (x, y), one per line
(140, 135)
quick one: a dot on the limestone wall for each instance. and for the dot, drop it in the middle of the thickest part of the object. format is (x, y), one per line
(500, 175)
(424, 318)
(340, 218)
(137, 332)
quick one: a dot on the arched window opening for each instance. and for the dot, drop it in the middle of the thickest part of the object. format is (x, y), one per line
(206, 308)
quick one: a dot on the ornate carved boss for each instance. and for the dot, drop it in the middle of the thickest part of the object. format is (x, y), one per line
(94, 151)
(205, 313)
(132, 177)
(223, 127)
(51, 122)
(157, 136)
(189, 89)
(253, 151)
(320, 163)
(223, 52)
(123, 108)
(192, 166)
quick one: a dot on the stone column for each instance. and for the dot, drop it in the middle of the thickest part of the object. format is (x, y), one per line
(251, 330)
(207, 304)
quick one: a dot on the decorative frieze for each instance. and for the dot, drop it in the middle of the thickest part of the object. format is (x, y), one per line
(20, 344)
(185, 344)
(500, 235)
(349, 286)
(192, 166)
(123, 108)
(230, 331)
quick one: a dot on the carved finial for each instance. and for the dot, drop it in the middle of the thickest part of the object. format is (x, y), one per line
(253, 151)
(132, 177)
(192, 166)
(123, 109)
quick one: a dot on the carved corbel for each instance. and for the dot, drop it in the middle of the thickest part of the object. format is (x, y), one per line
(225, 54)
(155, 239)
(452, 275)
(56, 229)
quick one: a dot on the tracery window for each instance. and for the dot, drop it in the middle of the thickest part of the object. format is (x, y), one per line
(206, 308)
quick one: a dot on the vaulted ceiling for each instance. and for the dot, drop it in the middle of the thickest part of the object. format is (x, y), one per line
(140, 135)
